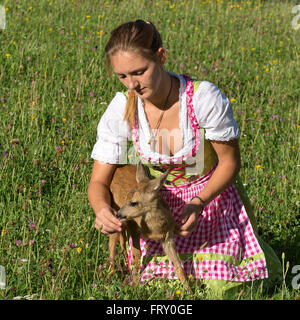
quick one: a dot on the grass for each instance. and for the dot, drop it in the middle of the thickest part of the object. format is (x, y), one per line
(53, 91)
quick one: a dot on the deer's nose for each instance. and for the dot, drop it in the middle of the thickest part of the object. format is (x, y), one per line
(120, 216)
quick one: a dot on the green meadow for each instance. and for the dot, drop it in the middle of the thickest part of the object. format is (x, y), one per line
(53, 90)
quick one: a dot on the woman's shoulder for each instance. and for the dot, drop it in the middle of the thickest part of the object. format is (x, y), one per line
(116, 106)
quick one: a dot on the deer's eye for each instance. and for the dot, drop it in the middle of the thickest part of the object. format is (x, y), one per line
(133, 204)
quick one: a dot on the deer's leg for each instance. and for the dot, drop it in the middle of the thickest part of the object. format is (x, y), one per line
(112, 244)
(123, 240)
(170, 250)
(136, 250)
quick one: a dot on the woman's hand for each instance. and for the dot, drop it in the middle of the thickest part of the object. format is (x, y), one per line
(107, 222)
(189, 219)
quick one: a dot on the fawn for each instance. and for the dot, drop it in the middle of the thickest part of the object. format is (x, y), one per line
(138, 201)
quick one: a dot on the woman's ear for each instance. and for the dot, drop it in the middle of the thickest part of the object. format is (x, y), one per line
(162, 55)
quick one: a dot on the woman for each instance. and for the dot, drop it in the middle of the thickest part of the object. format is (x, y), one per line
(169, 120)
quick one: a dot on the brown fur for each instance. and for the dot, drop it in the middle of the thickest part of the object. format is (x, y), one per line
(138, 201)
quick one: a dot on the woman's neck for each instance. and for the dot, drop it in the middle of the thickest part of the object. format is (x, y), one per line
(163, 100)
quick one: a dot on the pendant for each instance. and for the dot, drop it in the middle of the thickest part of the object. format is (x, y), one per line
(152, 143)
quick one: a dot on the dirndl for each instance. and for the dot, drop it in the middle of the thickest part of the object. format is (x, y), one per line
(224, 247)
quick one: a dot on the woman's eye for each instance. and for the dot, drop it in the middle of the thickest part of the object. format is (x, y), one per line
(133, 204)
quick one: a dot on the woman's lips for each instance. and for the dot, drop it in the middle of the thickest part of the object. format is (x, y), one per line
(141, 91)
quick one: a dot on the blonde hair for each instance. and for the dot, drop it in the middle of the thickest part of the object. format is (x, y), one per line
(140, 37)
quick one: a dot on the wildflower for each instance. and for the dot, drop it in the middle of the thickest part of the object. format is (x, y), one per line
(50, 29)
(191, 276)
(258, 166)
(64, 119)
(81, 240)
(18, 242)
(72, 245)
(178, 292)
(232, 100)
(8, 55)
(88, 17)
(78, 249)
(2, 232)
(32, 226)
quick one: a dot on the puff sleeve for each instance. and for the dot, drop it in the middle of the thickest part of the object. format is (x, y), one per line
(214, 113)
(112, 133)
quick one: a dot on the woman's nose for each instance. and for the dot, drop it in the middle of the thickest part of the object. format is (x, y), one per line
(132, 83)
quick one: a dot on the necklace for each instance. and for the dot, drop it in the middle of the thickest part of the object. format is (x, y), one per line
(152, 140)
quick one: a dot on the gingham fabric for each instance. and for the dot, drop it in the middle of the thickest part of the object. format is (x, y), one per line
(223, 246)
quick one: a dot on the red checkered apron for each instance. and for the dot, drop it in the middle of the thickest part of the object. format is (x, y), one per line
(223, 246)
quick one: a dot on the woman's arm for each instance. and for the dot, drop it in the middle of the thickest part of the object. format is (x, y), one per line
(228, 153)
(100, 200)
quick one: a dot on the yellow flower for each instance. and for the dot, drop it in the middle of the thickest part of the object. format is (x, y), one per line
(62, 141)
(191, 276)
(172, 6)
(200, 258)
(243, 48)
(8, 55)
(258, 166)
(82, 27)
(26, 19)
(6, 9)
(88, 17)
(178, 292)
(100, 32)
(252, 49)
(81, 240)
(275, 61)
(293, 147)
(79, 249)
(2, 232)
(50, 29)
(64, 119)
(232, 100)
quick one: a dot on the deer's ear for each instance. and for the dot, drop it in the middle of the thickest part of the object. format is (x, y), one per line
(158, 182)
(141, 174)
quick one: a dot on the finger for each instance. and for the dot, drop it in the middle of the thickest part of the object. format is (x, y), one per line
(188, 221)
(184, 234)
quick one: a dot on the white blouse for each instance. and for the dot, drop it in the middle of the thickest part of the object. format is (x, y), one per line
(213, 111)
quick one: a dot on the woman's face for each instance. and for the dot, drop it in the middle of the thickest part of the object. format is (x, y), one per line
(139, 74)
